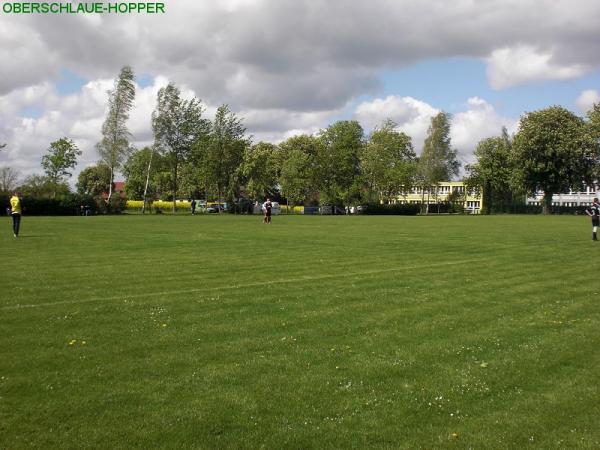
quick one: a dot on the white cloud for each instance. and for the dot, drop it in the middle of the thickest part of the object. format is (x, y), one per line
(509, 67)
(302, 54)
(587, 99)
(276, 125)
(412, 116)
(78, 116)
(478, 121)
(402, 110)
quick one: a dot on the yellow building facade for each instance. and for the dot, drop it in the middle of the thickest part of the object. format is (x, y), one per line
(472, 201)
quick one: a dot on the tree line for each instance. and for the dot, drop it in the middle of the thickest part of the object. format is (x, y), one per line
(192, 156)
(554, 151)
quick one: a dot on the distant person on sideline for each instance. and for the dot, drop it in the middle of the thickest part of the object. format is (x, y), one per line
(193, 207)
(594, 212)
(15, 212)
(267, 207)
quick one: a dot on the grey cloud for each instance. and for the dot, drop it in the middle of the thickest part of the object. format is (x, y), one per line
(307, 55)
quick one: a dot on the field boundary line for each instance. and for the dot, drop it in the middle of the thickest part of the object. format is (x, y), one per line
(246, 285)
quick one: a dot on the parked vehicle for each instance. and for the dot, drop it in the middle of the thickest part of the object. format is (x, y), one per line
(215, 208)
(275, 208)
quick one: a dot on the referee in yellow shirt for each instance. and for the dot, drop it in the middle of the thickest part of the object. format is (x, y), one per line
(15, 212)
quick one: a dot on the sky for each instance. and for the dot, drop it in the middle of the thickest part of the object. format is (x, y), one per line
(296, 66)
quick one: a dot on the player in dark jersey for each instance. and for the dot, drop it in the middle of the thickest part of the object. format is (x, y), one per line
(594, 212)
(267, 207)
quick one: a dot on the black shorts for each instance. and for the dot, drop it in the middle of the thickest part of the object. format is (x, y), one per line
(596, 221)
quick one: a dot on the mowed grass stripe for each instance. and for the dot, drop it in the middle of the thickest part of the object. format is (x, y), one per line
(340, 272)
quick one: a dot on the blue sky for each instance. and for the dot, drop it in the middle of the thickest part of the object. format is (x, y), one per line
(69, 82)
(447, 83)
(444, 83)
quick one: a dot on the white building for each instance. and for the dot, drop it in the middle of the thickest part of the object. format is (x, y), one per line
(572, 198)
(472, 201)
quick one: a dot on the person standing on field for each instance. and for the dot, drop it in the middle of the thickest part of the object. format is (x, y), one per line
(267, 207)
(15, 212)
(193, 205)
(594, 212)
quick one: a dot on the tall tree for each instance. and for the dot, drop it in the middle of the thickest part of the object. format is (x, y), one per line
(553, 152)
(141, 173)
(43, 186)
(298, 168)
(225, 152)
(8, 179)
(438, 161)
(339, 160)
(114, 146)
(178, 127)
(146, 184)
(61, 158)
(593, 116)
(388, 162)
(259, 170)
(491, 174)
(94, 180)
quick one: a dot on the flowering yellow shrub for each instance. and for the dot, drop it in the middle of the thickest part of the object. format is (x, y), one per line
(164, 206)
(291, 210)
(135, 204)
(168, 205)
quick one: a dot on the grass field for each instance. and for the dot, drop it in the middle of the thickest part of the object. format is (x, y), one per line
(314, 332)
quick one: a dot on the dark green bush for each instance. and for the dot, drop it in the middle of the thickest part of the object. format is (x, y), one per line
(116, 206)
(439, 208)
(242, 206)
(67, 205)
(376, 209)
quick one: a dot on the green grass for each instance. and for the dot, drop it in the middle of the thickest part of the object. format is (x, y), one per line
(314, 332)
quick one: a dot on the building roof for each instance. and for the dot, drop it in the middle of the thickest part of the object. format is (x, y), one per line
(118, 187)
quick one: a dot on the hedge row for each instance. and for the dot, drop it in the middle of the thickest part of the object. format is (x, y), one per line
(376, 209)
(444, 208)
(534, 209)
(69, 205)
(72, 205)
